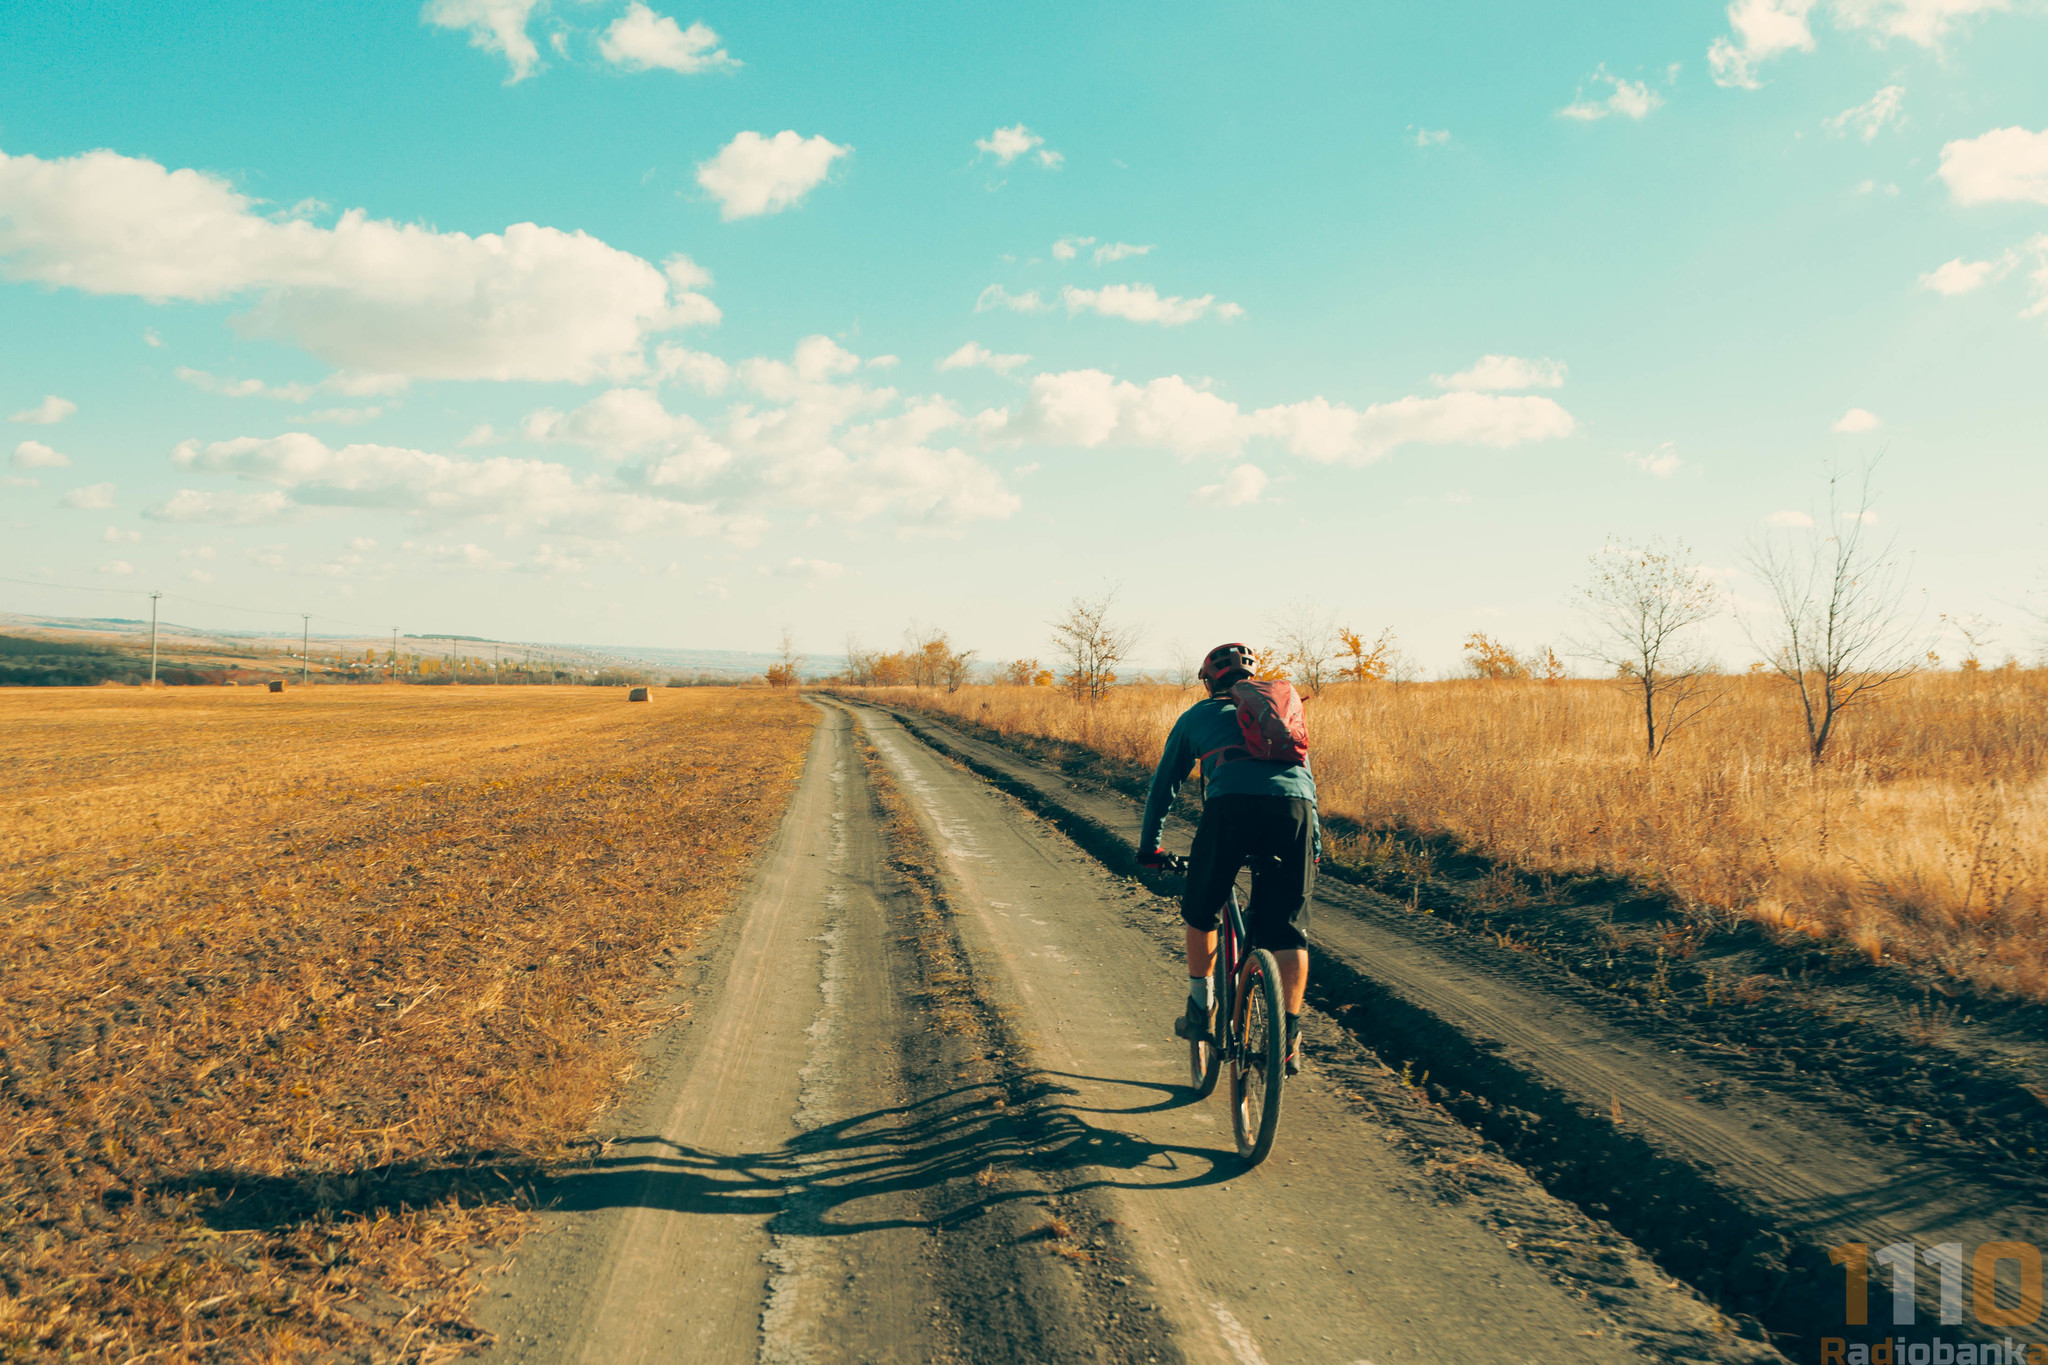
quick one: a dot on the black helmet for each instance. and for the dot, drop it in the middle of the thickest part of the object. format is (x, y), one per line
(1225, 665)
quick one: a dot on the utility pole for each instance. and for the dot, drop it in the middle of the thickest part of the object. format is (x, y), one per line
(152, 637)
(305, 643)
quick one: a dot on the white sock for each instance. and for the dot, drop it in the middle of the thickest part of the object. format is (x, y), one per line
(1202, 992)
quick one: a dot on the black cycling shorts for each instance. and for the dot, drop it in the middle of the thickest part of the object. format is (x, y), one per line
(1276, 835)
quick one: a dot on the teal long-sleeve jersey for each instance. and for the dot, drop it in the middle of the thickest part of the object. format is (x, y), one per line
(1205, 731)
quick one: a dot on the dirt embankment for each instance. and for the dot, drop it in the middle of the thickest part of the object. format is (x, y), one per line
(1738, 1104)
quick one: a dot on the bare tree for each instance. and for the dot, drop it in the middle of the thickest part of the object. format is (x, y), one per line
(1186, 668)
(1979, 633)
(1308, 641)
(1091, 646)
(1643, 602)
(1837, 629)
(787, 670)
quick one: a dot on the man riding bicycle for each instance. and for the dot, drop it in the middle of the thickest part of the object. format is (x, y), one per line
(1253, 810)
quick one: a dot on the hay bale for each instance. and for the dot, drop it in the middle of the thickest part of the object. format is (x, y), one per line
(276, 685)
(637, 694)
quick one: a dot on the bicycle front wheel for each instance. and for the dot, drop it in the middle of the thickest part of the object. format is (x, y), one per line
(1257, 1059)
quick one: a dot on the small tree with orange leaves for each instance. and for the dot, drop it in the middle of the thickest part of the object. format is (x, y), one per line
(1356, 662)
(1491, 659)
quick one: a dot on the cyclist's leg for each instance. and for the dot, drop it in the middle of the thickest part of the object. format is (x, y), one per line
(1212, 866)
(1283, 882)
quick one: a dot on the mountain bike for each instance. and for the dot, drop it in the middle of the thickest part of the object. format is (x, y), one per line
(1251, 1032)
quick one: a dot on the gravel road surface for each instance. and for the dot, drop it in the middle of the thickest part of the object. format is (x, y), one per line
(926, 1106)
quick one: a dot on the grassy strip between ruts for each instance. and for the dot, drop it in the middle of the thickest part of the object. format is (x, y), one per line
(285, 974)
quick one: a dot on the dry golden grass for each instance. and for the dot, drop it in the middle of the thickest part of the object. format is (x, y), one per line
(277, 967)
(1923, 838)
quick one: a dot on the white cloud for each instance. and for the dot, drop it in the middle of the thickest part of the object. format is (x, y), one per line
(199, 575)
(47, 413)
(1872, 187)
(995, 296)
(378, 298)
(346, 417)
(975, 356)
(92, 498)
(150, 338)
(1088, 408)
(517, 493)
(1143, 303)
(1066, 248)
(641, 40)
(698, 369)
(1007, 144)
(753, 175)
(1118, 251)
(243, 388)
(2003, 165)
(1791, 519)
(493, 25)
(1663, 462)
(811, 568)
(1324, 431)
(117, 568)
(114, 535)
(1925, 22)
(1626, 98)
(1494, 372)
(1872, 116)
(36, 455)
(631, 423)
(1961, 277)
(1856, 420)
(1242, 486)
(224, 509)
(883, 362)
(820, 439)
(1762, 29)
(1432, 137)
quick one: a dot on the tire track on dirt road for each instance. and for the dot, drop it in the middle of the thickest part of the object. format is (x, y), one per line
(802, 1174)
(926, 1109)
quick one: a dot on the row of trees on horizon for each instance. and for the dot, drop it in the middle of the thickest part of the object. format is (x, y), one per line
(1837, 630)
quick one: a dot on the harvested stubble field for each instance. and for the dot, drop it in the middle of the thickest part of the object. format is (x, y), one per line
(1923, 838)
(297, 986)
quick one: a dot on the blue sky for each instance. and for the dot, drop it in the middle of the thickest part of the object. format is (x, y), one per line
(612, 323)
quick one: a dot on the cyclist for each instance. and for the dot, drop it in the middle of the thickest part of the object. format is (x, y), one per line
(1252, 810)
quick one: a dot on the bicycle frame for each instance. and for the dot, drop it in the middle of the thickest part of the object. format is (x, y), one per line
(1231, 958)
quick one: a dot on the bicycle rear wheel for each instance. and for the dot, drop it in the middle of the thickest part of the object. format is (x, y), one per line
(1205, 1060)
(1257, 1057)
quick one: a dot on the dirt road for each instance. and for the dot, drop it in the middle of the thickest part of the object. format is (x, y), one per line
(927, 1107)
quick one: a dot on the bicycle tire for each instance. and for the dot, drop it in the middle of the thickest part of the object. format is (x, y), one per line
(1205, 1060)
(1257, 1059)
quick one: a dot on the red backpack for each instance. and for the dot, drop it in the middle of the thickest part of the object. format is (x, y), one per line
(1269, 716)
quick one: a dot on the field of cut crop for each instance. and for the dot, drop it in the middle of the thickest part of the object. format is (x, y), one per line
(298, 985)
(1923, 838)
